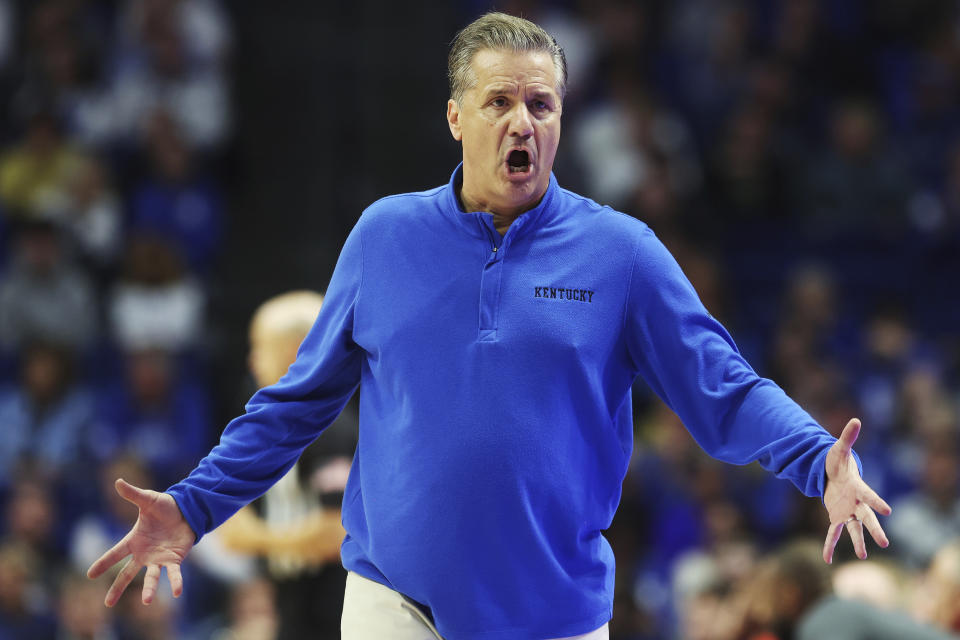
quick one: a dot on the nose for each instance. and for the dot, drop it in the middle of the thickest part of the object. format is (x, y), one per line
(521, 124)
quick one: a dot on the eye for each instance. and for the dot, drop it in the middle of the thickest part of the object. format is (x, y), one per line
(498, 102)
(540, 105)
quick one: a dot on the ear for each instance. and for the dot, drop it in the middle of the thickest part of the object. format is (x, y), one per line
(290, 352)
(453, 119)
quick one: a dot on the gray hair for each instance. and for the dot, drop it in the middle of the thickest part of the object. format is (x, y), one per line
(499, 31)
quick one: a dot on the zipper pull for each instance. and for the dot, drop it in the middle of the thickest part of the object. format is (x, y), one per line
(494, 248)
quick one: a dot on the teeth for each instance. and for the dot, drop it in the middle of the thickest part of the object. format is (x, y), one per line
(514, 169)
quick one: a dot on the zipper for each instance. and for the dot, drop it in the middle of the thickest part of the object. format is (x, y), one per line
(493, 243)
(490, 278)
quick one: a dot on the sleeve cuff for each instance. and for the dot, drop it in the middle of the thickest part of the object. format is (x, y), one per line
(183, 501)
(820, 465)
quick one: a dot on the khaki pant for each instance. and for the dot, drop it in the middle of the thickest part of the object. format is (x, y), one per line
(372, 611)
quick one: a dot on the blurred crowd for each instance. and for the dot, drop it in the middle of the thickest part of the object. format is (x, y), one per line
(114, 117)
(802, 161)
(801, 158)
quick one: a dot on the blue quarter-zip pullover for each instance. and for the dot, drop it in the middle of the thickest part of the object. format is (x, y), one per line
(495, 413)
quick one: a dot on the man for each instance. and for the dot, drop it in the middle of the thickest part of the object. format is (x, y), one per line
(790, 595)
(937, 598)
(496, 325)
(299, 538)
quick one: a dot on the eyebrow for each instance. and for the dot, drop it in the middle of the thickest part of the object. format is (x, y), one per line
(549, 95)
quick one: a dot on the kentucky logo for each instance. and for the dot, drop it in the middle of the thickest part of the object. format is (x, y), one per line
(562, 293)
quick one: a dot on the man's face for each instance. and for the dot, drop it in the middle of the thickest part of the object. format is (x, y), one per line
(271, 352)
(509, 124)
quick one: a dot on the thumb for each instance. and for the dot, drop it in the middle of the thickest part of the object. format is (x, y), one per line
(130, 493)
(848, 436)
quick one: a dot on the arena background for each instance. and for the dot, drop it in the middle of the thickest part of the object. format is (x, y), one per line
(165, 166)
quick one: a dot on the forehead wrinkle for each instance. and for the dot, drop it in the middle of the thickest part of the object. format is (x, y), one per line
(533, 88)
(502, 86)
(535, 76)
(488, 75)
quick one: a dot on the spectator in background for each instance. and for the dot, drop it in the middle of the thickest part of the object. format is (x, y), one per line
(747, 173)
(137, 622)
(790, 597)
(158, 411)
(889, 350)
(69, 86)
(878, 583)
(704, 56)
(24, 610)
(43, 295)
(657, 202)
(202, 24)
(79, 614)
(156, 304)
(160, 75)
(663, 511)
(32, 522)
(600, 133)
(922, 408)
(926, 411)
(34, 172)
(622, 28)
(922, 87)
(627, 142)
(174, 200)
(252, 614)
(46, 417)
(89, 211)
(937, 599)
(840, 619)
(806, 343)
(64, 63)
(728, 557)
(855, 181)
(929, 518)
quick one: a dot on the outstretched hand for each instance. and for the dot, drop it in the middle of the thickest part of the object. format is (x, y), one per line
(161, 537)
(850, 502)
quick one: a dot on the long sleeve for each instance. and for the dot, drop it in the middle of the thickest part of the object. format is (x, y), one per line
(692, 363)
(259, 447)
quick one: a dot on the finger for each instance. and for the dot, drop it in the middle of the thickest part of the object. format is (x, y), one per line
(833, 536)
(873, 526)
(874, 501)
(150, 581)
(849, 435)
(120, 583)
(176, 580)
(130, 493)
(855, 529)
(117, 553)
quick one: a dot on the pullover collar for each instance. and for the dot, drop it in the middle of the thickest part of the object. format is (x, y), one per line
(532, 219)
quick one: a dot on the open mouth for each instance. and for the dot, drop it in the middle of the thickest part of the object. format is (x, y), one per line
(518, 161)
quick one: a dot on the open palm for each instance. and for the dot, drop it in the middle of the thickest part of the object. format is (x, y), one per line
(161, 538)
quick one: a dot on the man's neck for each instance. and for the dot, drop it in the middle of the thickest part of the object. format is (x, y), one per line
(502, 219)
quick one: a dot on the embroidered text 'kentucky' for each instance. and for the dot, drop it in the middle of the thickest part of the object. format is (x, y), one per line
(561, 293)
